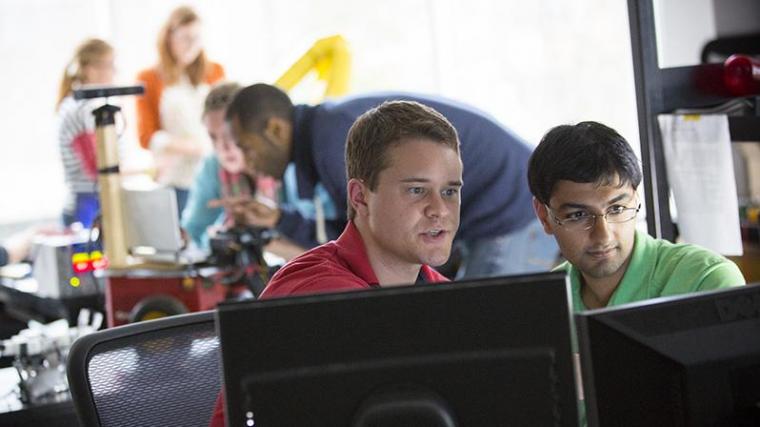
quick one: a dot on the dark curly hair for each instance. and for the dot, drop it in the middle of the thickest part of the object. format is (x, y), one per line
(586, 152)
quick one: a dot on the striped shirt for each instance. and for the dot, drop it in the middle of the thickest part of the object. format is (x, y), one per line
(76, 139)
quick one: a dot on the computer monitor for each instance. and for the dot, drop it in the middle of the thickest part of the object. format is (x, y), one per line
(678, 361)
(476, 353)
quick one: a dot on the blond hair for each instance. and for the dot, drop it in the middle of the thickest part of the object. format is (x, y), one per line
(87, 53)
(170, 69)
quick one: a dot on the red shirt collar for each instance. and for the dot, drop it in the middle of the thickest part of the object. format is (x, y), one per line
(352, 251)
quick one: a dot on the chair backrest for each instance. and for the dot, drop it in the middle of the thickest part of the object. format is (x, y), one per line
(153, 373)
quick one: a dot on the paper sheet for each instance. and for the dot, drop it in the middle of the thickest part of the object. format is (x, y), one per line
(700, 172)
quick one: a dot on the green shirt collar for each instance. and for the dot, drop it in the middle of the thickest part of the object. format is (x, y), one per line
(628, 286)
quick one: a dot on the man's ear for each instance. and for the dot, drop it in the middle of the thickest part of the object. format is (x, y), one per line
(279, 129)
(543, 215)
(357, 196)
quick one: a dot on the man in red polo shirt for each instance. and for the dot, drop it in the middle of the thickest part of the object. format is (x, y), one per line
(404, 180)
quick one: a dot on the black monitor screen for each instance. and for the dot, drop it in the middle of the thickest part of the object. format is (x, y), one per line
(476, 353)
(679, 361)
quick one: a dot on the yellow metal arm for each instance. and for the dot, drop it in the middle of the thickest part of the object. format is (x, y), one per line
(330, 58)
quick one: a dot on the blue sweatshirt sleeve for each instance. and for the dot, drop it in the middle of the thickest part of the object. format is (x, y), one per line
(197, 216)
(303, 230)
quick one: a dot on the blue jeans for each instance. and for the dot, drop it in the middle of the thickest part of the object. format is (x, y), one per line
(527, 250)
(182, 195)
(86, 209)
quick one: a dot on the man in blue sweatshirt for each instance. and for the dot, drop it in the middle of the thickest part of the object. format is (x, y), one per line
(498, 233)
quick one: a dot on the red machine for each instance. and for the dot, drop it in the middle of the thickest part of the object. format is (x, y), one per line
(239, 270)
(136, 291)
(138, 295)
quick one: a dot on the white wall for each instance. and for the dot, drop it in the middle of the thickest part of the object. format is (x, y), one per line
(736, 17)
(532, 64)
(683, 28)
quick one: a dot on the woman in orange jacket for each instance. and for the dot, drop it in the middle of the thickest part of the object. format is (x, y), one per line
(169, 114)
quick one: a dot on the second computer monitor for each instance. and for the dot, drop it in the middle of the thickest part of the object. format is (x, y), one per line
(691, 360)
(486, 352)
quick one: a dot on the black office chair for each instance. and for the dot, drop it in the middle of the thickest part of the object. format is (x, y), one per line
(162, 372)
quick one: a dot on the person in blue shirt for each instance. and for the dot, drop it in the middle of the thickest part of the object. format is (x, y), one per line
(219, 174)
(220, 177)
(498, 234)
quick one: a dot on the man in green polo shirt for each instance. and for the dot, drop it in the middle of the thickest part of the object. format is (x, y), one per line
(584, 180)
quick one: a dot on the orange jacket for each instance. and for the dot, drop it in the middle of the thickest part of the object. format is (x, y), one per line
(148, 119)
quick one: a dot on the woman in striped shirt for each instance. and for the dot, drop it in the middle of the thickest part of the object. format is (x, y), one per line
(92, 63)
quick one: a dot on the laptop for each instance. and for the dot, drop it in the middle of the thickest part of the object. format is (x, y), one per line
(153, 227)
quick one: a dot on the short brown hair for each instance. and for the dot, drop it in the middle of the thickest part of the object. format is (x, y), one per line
(220, 96)
(385, 126)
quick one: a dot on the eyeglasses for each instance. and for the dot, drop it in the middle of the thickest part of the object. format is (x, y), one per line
(584, 220)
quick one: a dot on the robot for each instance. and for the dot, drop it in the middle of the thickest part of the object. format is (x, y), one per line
(135, 290)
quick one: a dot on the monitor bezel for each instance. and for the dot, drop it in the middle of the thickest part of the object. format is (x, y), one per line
(552, 278)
